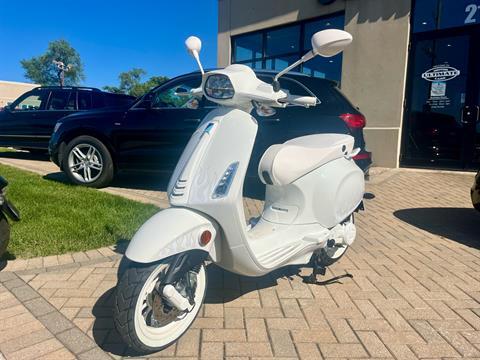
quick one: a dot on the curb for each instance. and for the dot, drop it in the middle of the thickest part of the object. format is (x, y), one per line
(60, 262)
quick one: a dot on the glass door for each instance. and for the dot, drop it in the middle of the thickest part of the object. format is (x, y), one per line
(442, 119)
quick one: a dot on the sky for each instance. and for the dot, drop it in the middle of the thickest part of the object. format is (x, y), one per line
(110, 36)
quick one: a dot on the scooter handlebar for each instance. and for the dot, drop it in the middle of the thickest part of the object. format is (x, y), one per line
(305, 101)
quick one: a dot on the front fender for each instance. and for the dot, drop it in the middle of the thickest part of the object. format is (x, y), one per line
(169, 232)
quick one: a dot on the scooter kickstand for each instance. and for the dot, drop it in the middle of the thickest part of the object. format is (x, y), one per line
(318, 269)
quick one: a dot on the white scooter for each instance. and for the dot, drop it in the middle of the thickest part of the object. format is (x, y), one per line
(313, 187)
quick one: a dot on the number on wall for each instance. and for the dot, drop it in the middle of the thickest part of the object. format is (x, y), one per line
(471, 11)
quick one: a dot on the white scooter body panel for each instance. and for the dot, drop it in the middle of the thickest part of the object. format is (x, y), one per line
(169, 232)
(224, 137)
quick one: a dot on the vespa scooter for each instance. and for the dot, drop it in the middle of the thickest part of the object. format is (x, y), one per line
(313, 188)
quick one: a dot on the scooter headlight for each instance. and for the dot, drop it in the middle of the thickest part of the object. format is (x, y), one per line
(219, 86)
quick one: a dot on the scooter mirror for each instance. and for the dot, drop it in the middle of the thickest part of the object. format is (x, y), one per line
(331, 42)
(193, 44)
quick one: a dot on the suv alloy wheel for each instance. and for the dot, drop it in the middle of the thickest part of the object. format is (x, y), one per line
(88, 162)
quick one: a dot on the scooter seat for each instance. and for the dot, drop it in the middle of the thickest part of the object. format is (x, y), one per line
(284, 163)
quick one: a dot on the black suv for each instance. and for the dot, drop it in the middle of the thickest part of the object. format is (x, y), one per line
(29, 121)
(153, 132)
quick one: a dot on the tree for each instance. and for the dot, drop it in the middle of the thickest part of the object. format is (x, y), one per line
(43, 71)
(131, 83)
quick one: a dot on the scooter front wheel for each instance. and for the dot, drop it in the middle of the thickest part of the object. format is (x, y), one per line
(147, 322)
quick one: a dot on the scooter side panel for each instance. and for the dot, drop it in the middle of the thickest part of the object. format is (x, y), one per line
(169, 232)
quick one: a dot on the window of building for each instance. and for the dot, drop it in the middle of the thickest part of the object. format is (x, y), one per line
(431, 15)
(275, 49)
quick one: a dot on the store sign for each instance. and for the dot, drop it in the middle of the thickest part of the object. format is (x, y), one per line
(472, 10)
(441, 73)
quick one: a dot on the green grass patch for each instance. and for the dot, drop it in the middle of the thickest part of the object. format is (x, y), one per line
(58, 218)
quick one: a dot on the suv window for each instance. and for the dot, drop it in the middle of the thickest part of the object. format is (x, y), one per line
(325, 91)
(97, 100)
(330, 101)
(167, 97)
(116, 100)
(62, 100)
(295, 87)
(84, 100)
(34, 100)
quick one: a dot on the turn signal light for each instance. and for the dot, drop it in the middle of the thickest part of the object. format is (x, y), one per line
(205, 237)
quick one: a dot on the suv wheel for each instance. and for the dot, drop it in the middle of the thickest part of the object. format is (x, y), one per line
(88, 162)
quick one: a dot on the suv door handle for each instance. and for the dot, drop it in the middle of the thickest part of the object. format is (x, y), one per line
(192, 120)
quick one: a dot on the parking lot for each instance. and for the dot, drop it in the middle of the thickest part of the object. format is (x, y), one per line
(408, 288)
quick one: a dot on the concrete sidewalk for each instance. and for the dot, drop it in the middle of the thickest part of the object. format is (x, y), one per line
(413, 293)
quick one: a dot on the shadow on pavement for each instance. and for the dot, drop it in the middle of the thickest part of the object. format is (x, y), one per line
(458, 224)
(223, 287)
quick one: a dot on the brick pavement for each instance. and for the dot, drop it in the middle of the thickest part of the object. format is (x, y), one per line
(413, 293)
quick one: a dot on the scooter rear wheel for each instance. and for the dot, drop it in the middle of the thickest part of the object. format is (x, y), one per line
(134, 317)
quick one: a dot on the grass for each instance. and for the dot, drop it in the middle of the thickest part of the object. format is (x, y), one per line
(58, 218)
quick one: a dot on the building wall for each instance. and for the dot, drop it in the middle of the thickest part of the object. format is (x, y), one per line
(374, 66)
(10, 90)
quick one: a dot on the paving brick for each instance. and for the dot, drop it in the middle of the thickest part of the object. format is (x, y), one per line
(7, 335)
(248, 349)
(256, 330)
(282, 343)
(342, 330)
(55, 322)
(234, 318)
(39, 306)
(94, 354)
(37, 350)
(207, 323)
(343, 350)
(76, 341)
(212, 351)
(314, 336)
(224, 335)
(286, 324)
(61, 354)
(308, 351)
(189, 344)
(373, 344)
(434, 350)
(25, 340)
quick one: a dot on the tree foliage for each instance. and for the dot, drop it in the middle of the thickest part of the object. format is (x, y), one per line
(131, 83)
(43, 71)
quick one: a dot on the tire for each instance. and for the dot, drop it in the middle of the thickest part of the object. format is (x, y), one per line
(130, 299)
(4, 234)
(87, 161)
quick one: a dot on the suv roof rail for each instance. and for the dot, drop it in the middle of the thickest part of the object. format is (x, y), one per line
(57, 87)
